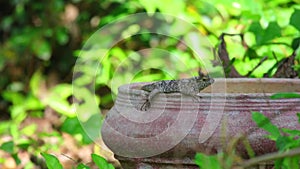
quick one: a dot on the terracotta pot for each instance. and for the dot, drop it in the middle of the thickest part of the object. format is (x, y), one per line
(176, 126)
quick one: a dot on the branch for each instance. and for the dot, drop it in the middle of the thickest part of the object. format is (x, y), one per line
(260, 62)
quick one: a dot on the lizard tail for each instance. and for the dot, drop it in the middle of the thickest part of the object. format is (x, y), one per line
(148, 87)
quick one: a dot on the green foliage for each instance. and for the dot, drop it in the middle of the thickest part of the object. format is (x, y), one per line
(285, 95)
(289, 139)
(285, 139)
(42, 40)
(82, 166)
(204, 161)
(11, 149)
(294, 21)
(58, 100)
(263, 36)
(264, 123)
(73, 127)
(8, 147)
(101, 162)
(53, 163)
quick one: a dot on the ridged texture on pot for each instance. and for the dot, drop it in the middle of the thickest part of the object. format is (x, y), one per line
(129, 131)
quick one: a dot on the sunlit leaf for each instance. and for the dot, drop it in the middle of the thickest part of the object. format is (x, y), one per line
(32, 103)
(58, 100)
(14, 97)
(29, 130)
(35, 82)
(24, 144)
(4, 127)
(264, 122)
(101, 162)
(204, 161)
(73, 127)
(82, 166)
(51, 161)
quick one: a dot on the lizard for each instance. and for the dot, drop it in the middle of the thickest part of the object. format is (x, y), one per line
(189, 86)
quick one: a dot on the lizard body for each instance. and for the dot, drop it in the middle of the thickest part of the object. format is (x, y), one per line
(190, 86)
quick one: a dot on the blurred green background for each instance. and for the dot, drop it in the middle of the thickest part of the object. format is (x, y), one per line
(41, 41)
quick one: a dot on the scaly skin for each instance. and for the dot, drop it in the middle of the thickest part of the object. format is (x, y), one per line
(190, 86)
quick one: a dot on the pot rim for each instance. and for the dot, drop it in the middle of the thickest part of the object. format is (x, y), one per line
(235, 86)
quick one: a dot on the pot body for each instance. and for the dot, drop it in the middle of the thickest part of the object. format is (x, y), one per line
(169, 134)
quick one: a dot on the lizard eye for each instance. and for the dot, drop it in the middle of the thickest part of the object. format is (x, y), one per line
(205, 78)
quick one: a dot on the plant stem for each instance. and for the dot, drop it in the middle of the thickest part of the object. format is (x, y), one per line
(269, 157)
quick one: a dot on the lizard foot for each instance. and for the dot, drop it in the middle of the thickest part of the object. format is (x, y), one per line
(197, 98)
(145, 106)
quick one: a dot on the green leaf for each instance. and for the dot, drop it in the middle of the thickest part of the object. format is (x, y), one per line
(14, 97)
(101, 162)
(42, 49)
(264, 35)
(263, 122)
(273, 30)
(35, 82)
(5, 126)
(58, 100)
(29, 130)
(16, 158)
(296, 43)
(205, 162)
(278, 163)
(285, 95)
(294, 133)
(24, 144)
(82, 166)
(62, 36)
(51, 161)
(256, 28)
(73, 127)
(281, 142)
(294, 20)
(8, 147)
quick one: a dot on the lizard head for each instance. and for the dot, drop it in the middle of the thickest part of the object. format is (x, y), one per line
(204, 80)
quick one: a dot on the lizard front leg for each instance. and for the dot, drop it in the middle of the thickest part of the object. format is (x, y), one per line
(193, 94)
(147, 103)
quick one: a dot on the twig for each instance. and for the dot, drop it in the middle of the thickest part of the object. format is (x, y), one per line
(270, 157)
(70, 158)
(229, 69)
(234, 34)
(274, 55)
(260, 62)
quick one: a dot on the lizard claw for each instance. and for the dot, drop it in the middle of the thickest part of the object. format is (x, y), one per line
(197, 99)
(145, 106)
